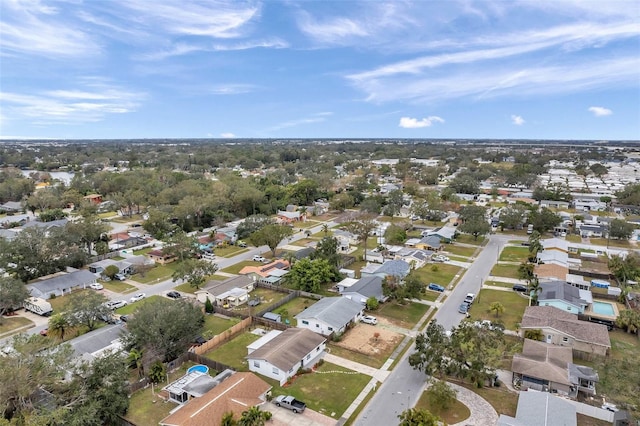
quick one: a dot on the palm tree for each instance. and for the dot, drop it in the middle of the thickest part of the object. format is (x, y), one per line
(325, 229)
(58, 325)
(135, 359)
(254, 417)
(534, 289)
(228, 420)
(496, 307)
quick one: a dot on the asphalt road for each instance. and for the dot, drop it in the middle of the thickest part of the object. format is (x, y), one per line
(404, 385)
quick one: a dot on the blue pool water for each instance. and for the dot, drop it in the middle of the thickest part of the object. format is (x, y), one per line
(201, 368)
(603, 308)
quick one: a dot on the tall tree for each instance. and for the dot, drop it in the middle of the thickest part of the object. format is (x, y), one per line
(621, 229)
(12, 293)
(252, 224)
(87, 308)
(361, 227)
(59, 323)
(271, 235)
(309, 275)
(394, 203)
(418, 417)
(432, 347)
(254, 417)
(194, 271)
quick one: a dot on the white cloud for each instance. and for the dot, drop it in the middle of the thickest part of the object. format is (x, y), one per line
(314, 118)
(227, 135)
(414, 123)
(230, 89)
(517, 120)
(600, 111)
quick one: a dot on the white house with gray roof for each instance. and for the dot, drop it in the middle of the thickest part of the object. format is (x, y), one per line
(61, 284)
(330, 315)
(365, 288)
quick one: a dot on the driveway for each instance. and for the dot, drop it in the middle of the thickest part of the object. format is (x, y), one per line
(284, 417)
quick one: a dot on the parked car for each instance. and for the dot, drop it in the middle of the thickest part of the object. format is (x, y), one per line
(174, 295)
(44, 332)
(242, 244)
(435, 287)
(469, 298)
(120, 277)
(287, 401)
(137, 297)
(115, 304)
(368, 319)
(124, 318)
(519, 287)
(463, 308)
(258, 258)
(96, 286)
(254, 302)
(440, 258)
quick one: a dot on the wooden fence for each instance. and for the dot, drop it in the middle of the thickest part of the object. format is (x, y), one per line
(224, 336)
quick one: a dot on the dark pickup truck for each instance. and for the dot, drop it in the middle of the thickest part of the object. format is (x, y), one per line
(290, 402)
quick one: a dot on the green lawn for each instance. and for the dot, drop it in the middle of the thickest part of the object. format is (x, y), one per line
(430, 295)
(573, 238)
(118, 286)
(498, 284)
(405, 316)
(136, 218)
(513, 303)
(514, 254)
(143, 251)
(501, 399)
(307, 224)
(303, 242)
(59, 303)
(507, 271)
(456, 413)
(235, 269)
(188, 288)
(611, 242)
(229, 251)
(233, 352)
(131, 307)
(442, 275)
(107, 215)
(157, 274)
(468, 239)
(460, 250)
(214, 325)
(268, 297)
(371, 361)
(292, 308)
(10, 324)
(329, 391)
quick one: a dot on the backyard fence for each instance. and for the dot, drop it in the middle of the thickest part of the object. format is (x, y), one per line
(224, 336)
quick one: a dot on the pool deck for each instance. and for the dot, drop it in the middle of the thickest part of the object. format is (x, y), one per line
(589, 311)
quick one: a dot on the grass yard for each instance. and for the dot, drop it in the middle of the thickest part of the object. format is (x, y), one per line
(430, 295)
(188, 288)
(136, 218)
(573, 238)
(611, 242)
(118, 286)
(330, 390)
(513, 303)
(498, 284)
(131, 307)
(507, 271)
(107, 215)
(357, 266)
(514, 254)
(457, 413)
(143, 251)
(293, 308)
(304, 242)
(229, 251)
(157, 274)
(501, 399)
(234, 269)
(233, 352)
(214, 325)
(10, 324)
(468, 239)
(307, 224)
(460, 250)
(371, 361)
(405, 316)
(443, 273)
(267, 297)
(59, 303)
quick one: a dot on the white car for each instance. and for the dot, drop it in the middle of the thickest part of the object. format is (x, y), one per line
(136, 297)
(368, 319)
(258, 258)
(96, 286)
(115, 304)
(440, 258)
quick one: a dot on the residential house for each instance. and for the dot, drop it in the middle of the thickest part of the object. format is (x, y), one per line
(192, 385)
(583, 204)
(60, 223)
(345, 240)
(563, 296)
(95, 199)
(445, 233)
(541, 409)
(416, 258)
(271, 273)
(411, 242)
(282, 354)
(549, 368)
(553, 256)
(231, 292)
(234, 395)
(124, 266)
(558, 244)
(555, 204)
(158, 256)
(61, 284)
(288, 218)
(396, 268)
(374, 256)
(430, 242)
(330, 315)
(345, 284)
(363, 289)
(11, 207)
(565, 329)
(303, 253)
(550, 271)
(596, 231)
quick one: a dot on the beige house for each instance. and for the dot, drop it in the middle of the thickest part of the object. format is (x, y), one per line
(564, 329)
(231, 292)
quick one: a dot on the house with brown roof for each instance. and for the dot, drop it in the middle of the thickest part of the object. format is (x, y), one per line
(280, 355)
(93, 198)
(270, 273)
(235, 394)
(158, 256)
(550, 368)
(564, 329)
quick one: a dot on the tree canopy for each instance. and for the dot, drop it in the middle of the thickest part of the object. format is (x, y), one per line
(271, 235)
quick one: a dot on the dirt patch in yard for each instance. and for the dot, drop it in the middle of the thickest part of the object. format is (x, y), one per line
(370, 339)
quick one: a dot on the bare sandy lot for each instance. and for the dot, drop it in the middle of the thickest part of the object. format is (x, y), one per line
(370, 339)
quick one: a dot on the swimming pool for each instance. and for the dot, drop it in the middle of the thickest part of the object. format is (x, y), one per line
(199, 368)
(603, 308)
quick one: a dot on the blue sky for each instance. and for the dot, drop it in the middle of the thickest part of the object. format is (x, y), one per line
(314, 69)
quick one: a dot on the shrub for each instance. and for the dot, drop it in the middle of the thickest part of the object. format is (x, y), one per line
(435, 268)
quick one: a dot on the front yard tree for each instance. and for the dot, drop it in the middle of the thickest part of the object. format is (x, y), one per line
(327, 248)
(496, 307)
(165, 328)
(309, 275)
(441, 394)
(394, 203)
(476, 352)
(12, 293)
(418, 417)
(271, 235)
(513, 216)
(111, 271)
(59, 324)
(181, 246)
(475, 226)
(252, 224)
(432, 349)
(194, 271)
(86, 308)
(361, 227)
(544, 220)
(395, 235)
(621, 229)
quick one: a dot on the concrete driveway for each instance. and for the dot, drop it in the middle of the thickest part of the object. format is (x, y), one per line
(284, 417)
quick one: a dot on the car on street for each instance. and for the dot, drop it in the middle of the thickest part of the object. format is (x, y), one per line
(174, 295)
(519, 287)
(115, 304)
(136, 297)
(463, 308)
(96, 286)
(469, 298)
(435, 287)
(258, 258)
(368, 319)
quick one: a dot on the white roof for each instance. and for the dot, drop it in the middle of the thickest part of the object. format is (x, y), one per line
(348, 282)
